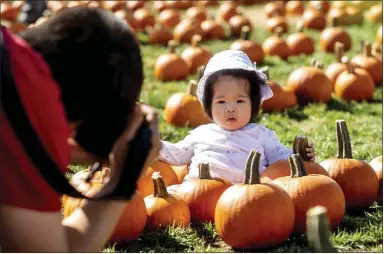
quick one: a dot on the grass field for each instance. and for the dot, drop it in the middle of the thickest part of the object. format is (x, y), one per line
(358, 232)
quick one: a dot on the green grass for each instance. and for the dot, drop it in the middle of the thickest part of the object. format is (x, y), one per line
(357, 233)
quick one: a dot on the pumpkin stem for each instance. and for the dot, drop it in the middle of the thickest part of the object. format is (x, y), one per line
(200, 72)
(317, 64)
(191, 90)
(339, 51)
(248, 165)
(350, 68)
(159, 189)
(265, 70)
(367, 49)
(245, 33)
(362, 43)
(171, 46)
(278, 31)
(296, 165)
(334, 22)
(195, 41)
(204, 172)
(343, 140)
(318, 230)
(252, 175)
(300, 144)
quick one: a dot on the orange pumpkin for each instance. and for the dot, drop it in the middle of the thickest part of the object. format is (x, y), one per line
(310, 84)
(212, 30)
(127, 16)
(202, 194)
(243, 212)
(180, 4)
(336, 68)
(281, 168)
(181, 172)
(377, 51)
(144, 18)
(375, 14)
(319, 5)
(356, 178)
(184, 109)
(115, 5)
(164, 209)
(170, 66)
(354, 83)
(331, 35)
(169, 17)
(159, 6)
(300, 43)
(369, 63)
(341, 15)
(314, 19)
(185, 30)
(294, 8)
(377, 165)
(253, 50)
(196, 13)
(276, 45)
(135, 5)
(196, 55)
(308, 190)
(226, 11)
(145, 184)
(275, 8)
(159, 35)
(236, 23)
(207, 3)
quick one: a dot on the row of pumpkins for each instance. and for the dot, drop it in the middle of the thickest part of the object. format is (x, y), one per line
(275, 202)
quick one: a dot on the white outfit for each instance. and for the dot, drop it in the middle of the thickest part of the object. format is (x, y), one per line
(225, 151)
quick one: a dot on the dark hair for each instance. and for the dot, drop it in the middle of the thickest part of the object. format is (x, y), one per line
(254, 80)
(95, 59)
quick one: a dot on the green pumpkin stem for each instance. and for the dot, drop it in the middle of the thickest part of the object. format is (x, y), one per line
(159, 189)
(343, 140)
(192, 86)
(204, 172)
(296, 165)
(318, 230)
(300, 145)
(245, 33)
(252, 175)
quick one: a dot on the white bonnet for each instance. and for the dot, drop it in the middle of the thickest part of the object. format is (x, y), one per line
(231, 59)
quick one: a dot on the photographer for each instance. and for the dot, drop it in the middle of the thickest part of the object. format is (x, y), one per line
(82, 67)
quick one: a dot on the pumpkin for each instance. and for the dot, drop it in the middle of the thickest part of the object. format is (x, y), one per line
(144, 18)
(184, 109)
(377, 165)
(277, 21)
(197, 14)
(179, 4)
(170, 66)
(253, 50)
(314, 19)
(281, 168)
(369, 63)
(115, 5)
(135, 5)
(169, 18)
(185, 30)
(310, 84)
(207, 3)
(336, 68)
(254, 215)
(340, 14)
(236, 23)
(145, 184)
(276, 45)
(308, 190)
(355, 16)
(196, 55)
(331, 35)
(226, 11)
(165, 209)
(375, 14)
(294, 8)
(159, 6)
(319, 5)
(280, 99)
(379, 35)
(275, 8)
(181, 172)
(300, 43)
(212, 30)
(127, 16)
(356, 178)
(202, 194)
(318, 230)
(159, 35)
(354, 83)
(377, 51)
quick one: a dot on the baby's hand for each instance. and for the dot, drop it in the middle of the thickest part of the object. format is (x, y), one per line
(311, 151)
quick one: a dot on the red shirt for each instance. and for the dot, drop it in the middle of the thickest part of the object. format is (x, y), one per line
(21, 184)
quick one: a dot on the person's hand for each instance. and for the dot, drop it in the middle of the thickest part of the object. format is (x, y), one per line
(311, 151)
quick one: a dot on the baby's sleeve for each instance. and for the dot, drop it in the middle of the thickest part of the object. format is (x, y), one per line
(178, 154)
(273, 149)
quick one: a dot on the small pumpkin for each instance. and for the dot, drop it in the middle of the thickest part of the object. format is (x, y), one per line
(180, 4)
(375, 14)
(276, 45)
(184, 31)
(159, 6)
(281, 168)
(236, 23)
(354, 83)
(226, 11)
(181, 172)
(340, 14)
(115, 6)
(308, 190)
(275, 8)
(300, 42)
(159, 35)
(184, 109)
(196, 13)
(144, 18)
(196, 55)
(207, 3)
(368, 62)
(243, 212)
(127, 16)
(165, 209)
(212, 30)
(314, 19)
(333, 34)
(324, 6)
(277, 21)
(253, 50)
(169, 18)
(145, 184)
(310, 84)
(170, 66)
(336, 68)
(356, 178)
(202, 194)
(135, 5)
(377, 165)
(294, 8)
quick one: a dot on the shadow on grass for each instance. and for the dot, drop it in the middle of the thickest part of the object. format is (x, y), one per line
(297, 114)
(338, 105)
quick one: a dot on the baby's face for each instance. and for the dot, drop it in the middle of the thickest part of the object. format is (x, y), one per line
(231, 104)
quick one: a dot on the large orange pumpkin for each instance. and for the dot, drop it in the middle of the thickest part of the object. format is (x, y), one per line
(212, 30)
(336, 68)
(331, 35)
(135, 5)
(202, 194)
(184, 109)
(184, 31)
(254, 215)
(356, 178)
(275, 8)
(197, 14)
(308, 190)
(300, 42)
(181, 172)
(377, 165)
(253, 50)
(169, 17)
(236, 23)
(127, 16)
(145, 183)
(341, 15)
(196, 55)
(294, 8)
(165, 209)
(276, 45)
(319, 5)
(158, 35)
(277, 21)
(226, 11)
(144, 18)
(314, 19)
(115, 5)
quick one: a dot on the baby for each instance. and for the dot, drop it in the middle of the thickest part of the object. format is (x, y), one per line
(231, 92)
